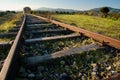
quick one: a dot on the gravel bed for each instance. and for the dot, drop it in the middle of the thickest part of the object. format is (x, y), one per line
(49, 47)
(97, 64)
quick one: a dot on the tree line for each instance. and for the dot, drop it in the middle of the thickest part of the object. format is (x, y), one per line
(103, 12)
(3, 13)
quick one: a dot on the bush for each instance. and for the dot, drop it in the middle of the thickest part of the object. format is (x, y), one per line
(114, 16)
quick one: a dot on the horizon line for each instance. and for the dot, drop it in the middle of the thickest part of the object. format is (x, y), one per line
(55, 8)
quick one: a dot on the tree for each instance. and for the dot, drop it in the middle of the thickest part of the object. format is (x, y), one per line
(27, 9)
(105, 11)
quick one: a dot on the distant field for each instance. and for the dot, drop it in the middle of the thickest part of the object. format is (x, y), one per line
(104, 26)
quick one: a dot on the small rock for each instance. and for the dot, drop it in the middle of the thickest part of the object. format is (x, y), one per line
(56, 75)
(40, 68)
(31, 76)
(84, 78)
(74, 63)
(1, 63)
(22, 70)
(94, 65)
(94, 73)
(102, 74)
(28, 71)
(22, 79)
(39, 76)
(65, 48)
(23, 75)
(79, 74)
(62, 62)
(113, 72)
(95, 69)
(67, 68)
(85, 75)
(65, 76)
(109, 68)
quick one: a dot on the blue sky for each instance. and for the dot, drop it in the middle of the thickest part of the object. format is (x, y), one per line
(67, 4)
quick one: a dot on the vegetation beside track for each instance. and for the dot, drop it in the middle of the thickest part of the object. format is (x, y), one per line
(9, 21)
(4, 39)
(103, 26)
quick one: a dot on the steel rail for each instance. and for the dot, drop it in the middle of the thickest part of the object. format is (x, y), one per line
(105, 40)
(8, 69)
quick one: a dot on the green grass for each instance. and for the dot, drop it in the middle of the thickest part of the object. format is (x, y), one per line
(103, 26)
(4, 39)
(9, 23)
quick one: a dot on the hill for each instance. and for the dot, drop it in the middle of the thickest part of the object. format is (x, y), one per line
(56, 9)
(72, 10)
(110, 8)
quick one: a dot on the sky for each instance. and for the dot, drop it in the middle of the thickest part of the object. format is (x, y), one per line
(66, 4)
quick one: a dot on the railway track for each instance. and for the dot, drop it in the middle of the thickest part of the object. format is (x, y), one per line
(10, 36)
(50, 50)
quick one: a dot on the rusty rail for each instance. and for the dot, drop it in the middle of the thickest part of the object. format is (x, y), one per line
(98, 37)
(8, 70)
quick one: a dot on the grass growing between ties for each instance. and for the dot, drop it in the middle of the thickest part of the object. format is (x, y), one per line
(4, 39)
(103, 26)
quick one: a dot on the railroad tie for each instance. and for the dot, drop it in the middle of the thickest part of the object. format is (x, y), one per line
(51, 38)
(50, 31)
(71, 51)
(9, 34)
